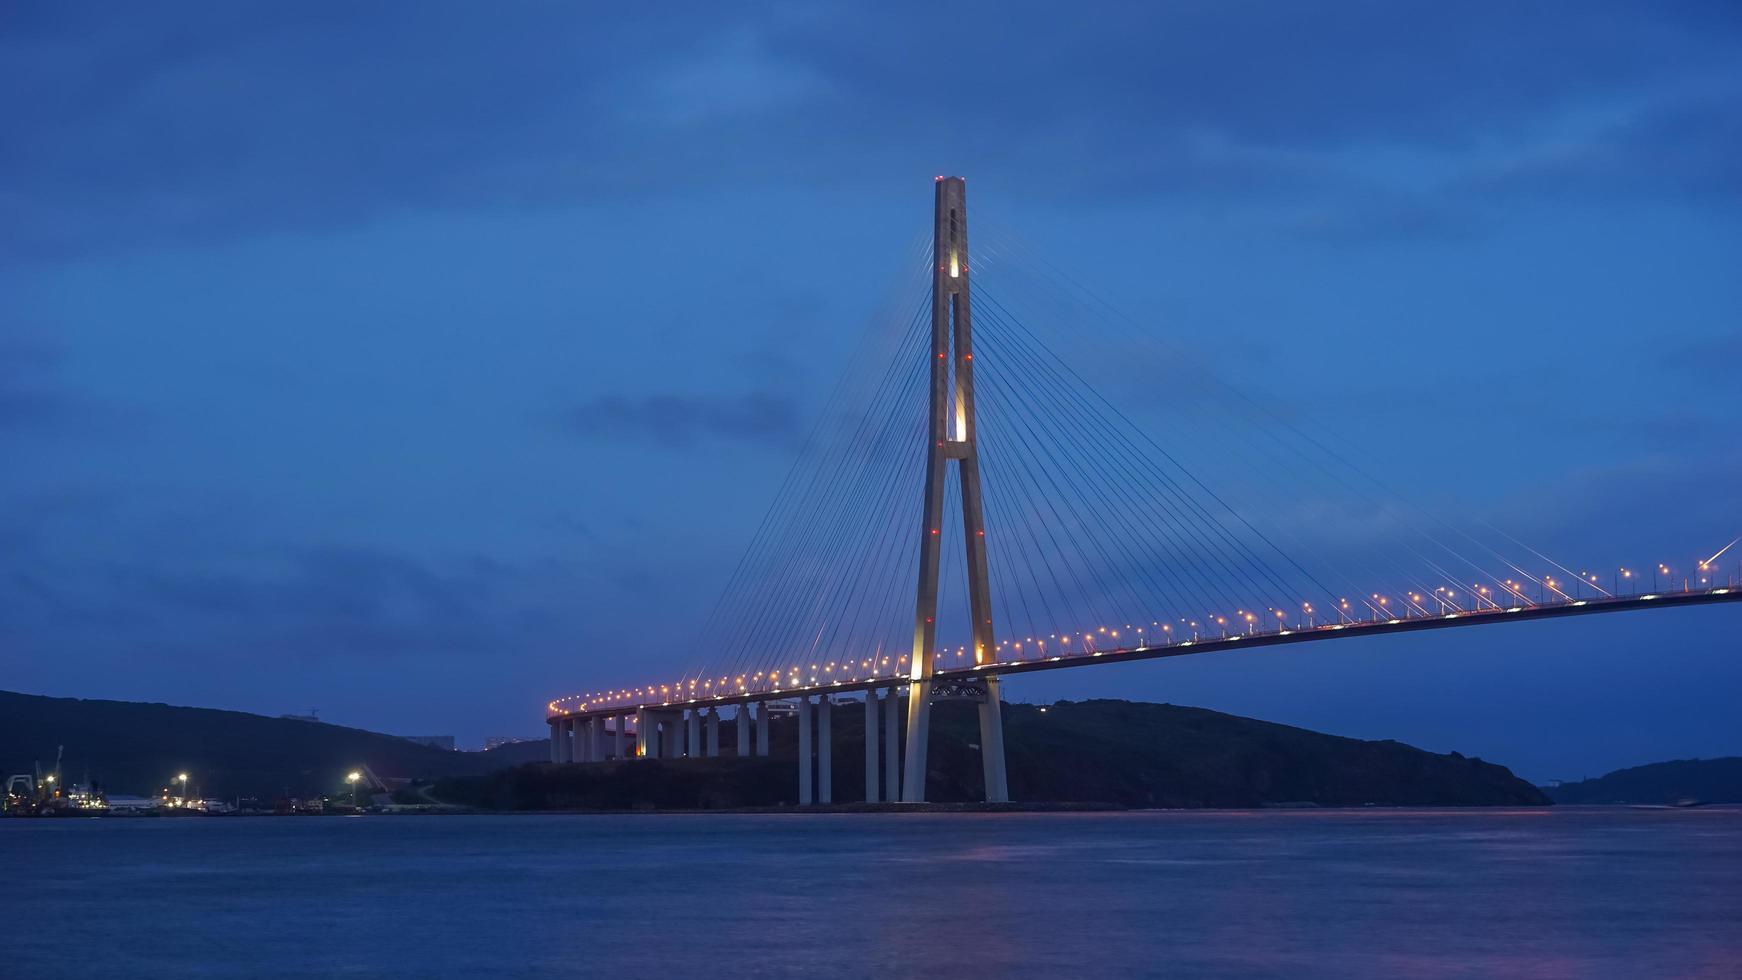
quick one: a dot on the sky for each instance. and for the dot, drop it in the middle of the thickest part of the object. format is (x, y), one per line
(420, 362)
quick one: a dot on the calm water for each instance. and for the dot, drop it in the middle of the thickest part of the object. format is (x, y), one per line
(1551, 893)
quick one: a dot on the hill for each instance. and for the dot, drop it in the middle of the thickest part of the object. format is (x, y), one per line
(1119, 752)
(1704, 780)
(135, 747)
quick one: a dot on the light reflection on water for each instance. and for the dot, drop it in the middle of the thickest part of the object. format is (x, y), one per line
(1567, 892)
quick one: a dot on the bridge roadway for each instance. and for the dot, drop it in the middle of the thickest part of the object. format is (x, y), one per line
(1182, 648)
(691, 726)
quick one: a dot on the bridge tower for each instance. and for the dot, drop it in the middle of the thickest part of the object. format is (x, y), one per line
(951, 439)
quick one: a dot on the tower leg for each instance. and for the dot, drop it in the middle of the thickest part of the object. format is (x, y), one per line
(713, 748)
(871, 775)
(743, 726)
(992, 744)
(892, 744)
(805, 796)
(918, 727)
(693, 734)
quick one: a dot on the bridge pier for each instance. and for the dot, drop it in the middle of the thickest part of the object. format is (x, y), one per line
(646, 734)
(670, 735)
(595, 739)
(806, 795)
(743, 730)
(693, 734)
(825, 750)
(567, 739)
(762, 728)
(553, 724)
(579, 745)
(871, 782)
(713, 733)
(892, 744)
(622, 733)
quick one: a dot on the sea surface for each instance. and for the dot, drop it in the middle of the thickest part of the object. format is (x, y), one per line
(1555, 892)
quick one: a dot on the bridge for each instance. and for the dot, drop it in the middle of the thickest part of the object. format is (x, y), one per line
(1078, 540)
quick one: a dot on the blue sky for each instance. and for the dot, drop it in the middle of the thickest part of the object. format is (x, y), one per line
(419, 362)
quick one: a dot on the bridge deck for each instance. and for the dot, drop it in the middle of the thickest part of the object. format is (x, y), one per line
(1183, 648)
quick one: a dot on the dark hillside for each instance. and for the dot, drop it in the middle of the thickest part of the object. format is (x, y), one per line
(1701, 780)
(134, 747)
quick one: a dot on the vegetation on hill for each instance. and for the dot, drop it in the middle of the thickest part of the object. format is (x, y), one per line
(1119, 752)
(1680, 781)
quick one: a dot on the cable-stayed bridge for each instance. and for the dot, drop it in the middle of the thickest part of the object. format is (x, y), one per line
(971, 506)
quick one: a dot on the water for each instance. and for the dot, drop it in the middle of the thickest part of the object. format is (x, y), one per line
(1565, 892)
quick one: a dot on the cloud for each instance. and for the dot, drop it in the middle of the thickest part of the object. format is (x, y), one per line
(1683, 148)
(128, 128)
(677, 421)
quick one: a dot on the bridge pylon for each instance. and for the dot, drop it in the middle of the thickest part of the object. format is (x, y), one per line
(951, 438)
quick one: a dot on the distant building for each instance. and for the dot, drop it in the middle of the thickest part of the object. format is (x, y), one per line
(443, 742)
(311, 716)
(497, 741)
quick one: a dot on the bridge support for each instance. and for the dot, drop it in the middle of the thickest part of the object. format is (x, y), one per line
(892, 744)
(693, 734)
(762, 728)
(825, 750)
(595, 739)
(743, 730)
(566, 740)
(622, 729)
(806, 794)
(871, 774)
(713, 733)
(555, 726)
(671, 735)
(951, 437)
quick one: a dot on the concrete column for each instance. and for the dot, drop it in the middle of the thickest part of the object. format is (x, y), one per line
(743, 726)
(671, 736)
(565, 739)
(871, 775)
(805, 796)
(825, 750)
(646, 735)
(918, 730)
(553, 723)
(892, 744)
(693, 735)
(762, 728)
(992, 745)
(622, 735)
(580, 742)
(595, 739)
(713, 748)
